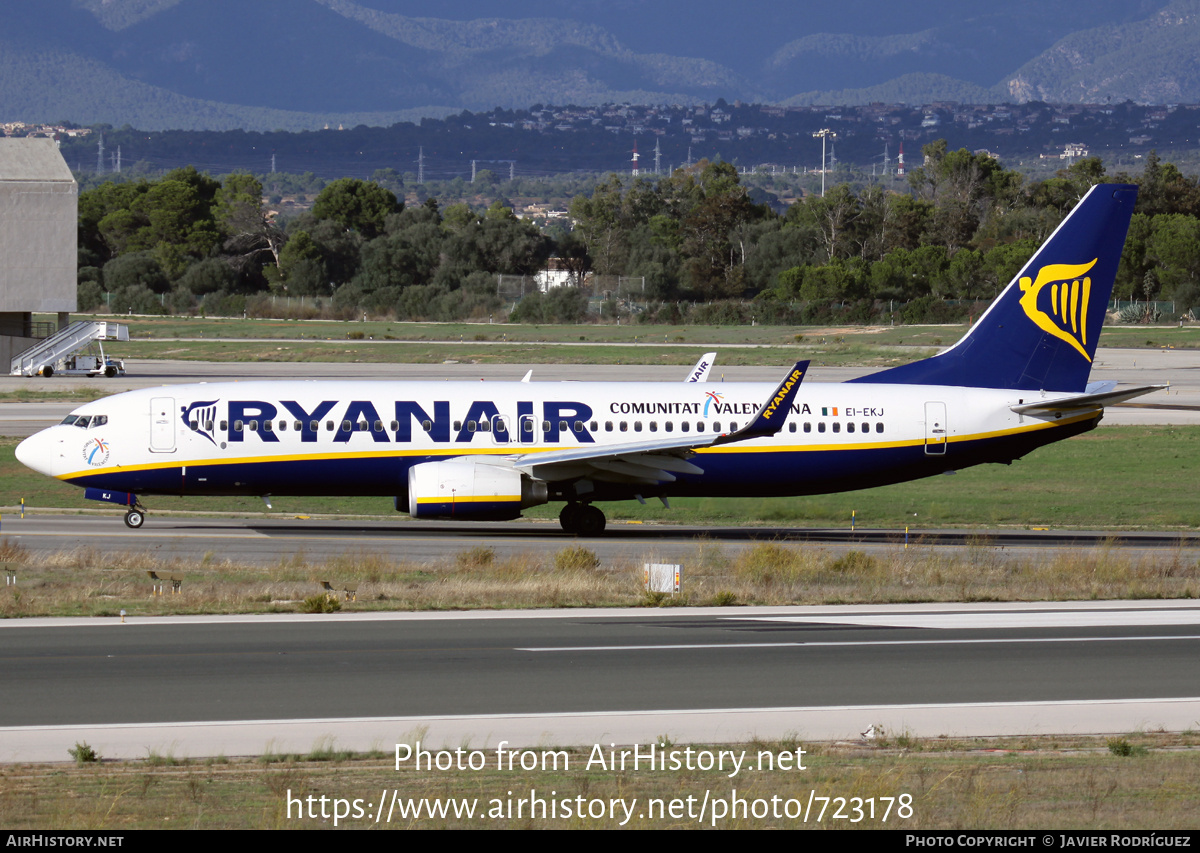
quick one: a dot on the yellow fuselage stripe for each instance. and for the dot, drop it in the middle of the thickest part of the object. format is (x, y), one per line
(502, 451)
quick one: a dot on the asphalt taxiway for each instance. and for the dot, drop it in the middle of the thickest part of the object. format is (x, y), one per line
(195, 686)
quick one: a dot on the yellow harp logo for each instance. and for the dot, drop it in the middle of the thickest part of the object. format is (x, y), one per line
(1066, 308)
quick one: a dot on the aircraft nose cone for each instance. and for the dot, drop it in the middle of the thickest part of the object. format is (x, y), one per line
(33, 453)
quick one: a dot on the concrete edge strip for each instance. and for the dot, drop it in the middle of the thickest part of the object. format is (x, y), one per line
(532, 731)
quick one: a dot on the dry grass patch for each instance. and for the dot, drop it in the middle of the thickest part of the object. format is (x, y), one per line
(89, 582)
(996, 784)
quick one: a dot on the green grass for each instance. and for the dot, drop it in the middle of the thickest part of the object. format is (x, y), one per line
(376, 341)
(381, 330)
(146, 328)
(1120, 477)
(392, 352)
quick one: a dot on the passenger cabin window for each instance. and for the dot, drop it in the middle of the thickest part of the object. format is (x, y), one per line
(328, 426)
(879, 427)
(237, 426)
(821, 426)
(837, 426)
(808, 426)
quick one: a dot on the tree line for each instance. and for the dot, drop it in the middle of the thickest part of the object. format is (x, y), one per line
(705, 249)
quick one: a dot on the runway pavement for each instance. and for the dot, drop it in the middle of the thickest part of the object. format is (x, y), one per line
(266, 541)
(194, 686)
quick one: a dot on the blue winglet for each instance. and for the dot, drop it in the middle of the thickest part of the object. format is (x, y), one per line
(774, 412)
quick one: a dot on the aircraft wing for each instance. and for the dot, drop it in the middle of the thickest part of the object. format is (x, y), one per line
(659, 460)
(1075, 402)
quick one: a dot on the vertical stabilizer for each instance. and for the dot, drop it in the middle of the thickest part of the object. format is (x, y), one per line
(1041, 331)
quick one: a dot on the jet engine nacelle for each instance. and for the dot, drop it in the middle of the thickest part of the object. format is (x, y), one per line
(471, 490)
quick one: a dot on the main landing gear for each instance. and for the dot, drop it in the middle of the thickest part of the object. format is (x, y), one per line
(582, 519)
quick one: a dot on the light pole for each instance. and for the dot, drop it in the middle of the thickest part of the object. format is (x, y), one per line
(823, 133)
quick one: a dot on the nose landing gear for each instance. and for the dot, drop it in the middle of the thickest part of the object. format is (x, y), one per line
(135, 516)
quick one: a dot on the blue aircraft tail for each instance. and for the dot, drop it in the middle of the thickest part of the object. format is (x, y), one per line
(1041, 331)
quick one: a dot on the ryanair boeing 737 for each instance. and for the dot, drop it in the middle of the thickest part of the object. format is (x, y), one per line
(472, 450)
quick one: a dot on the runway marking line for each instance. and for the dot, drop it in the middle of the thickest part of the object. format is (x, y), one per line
(853, 644)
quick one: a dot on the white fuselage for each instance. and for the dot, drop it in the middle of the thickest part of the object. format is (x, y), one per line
(360, 438)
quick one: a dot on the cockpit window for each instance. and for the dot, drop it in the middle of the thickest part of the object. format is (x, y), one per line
(85, 421)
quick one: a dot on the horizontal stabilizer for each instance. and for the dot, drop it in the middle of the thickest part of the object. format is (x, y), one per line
(1085, 401)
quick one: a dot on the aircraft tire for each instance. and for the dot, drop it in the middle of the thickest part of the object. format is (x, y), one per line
(135, 518)
(591, 521)
(569, 517)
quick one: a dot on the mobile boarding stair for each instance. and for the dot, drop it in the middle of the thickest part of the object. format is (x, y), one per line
(76, 351)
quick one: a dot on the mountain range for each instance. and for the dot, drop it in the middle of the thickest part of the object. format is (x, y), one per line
(296, 64)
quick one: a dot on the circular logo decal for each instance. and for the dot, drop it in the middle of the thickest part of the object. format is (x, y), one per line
(95, 452)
